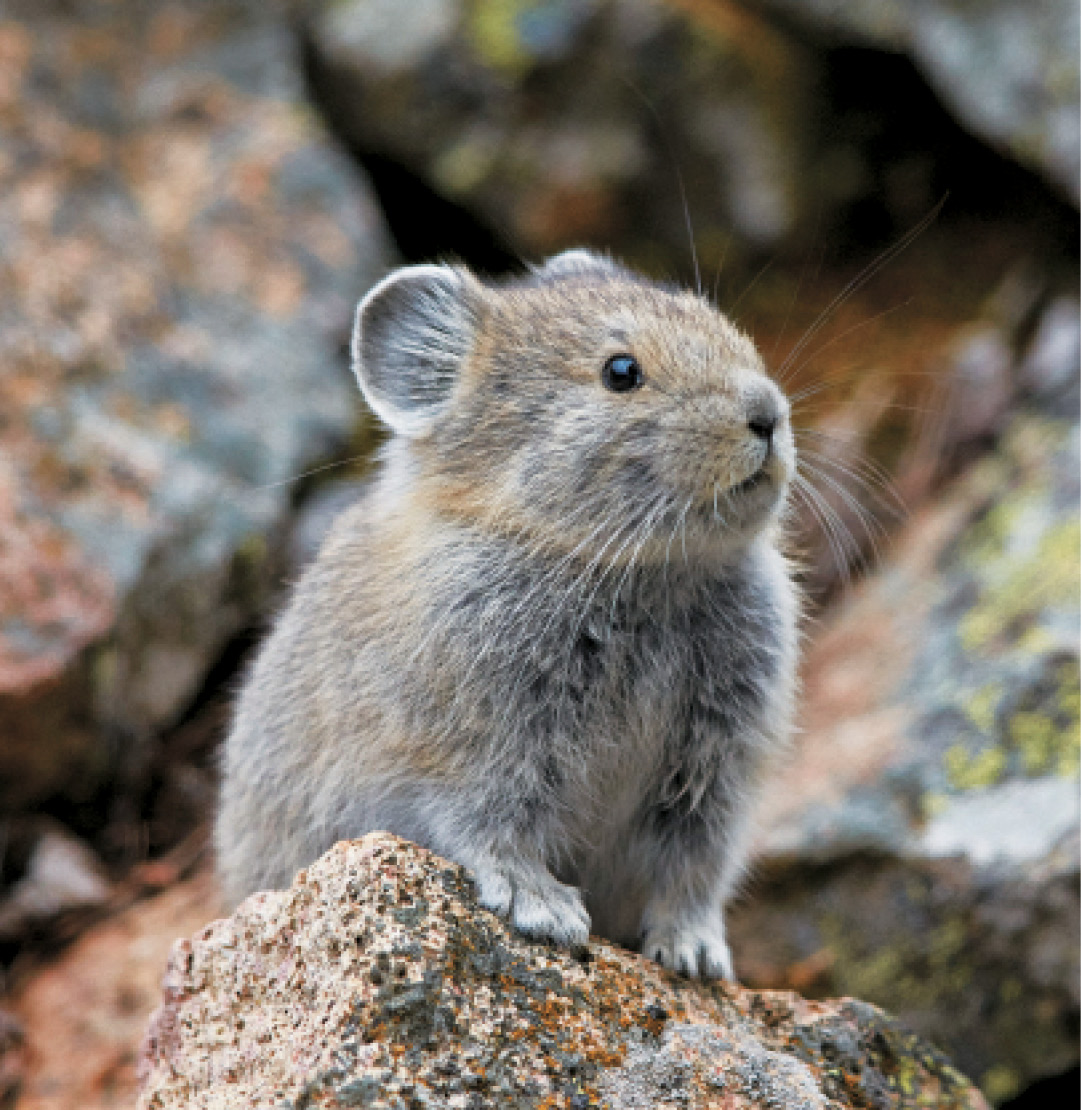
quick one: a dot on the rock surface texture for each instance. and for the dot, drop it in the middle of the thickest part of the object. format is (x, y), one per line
(1008, 69)
(921, 849)
(377, 981)
(180, 250)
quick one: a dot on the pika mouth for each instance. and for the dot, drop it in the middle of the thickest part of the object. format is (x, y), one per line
(749, 485)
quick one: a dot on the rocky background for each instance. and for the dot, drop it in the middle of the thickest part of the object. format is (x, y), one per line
(193, 195)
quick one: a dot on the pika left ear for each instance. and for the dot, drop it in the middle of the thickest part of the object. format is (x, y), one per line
(411, 334)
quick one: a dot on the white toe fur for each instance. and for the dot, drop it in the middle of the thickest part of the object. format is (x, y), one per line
(693, 945)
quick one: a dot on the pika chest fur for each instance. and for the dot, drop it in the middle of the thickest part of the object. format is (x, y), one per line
(556, 640)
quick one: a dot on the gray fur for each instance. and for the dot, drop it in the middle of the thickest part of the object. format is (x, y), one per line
(556, 642)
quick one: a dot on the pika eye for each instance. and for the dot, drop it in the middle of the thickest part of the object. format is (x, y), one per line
(622, 373)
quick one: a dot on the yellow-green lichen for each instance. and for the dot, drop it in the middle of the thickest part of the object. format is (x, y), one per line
(465, 165)
(912, 974)
(1000, 1083)
(1042, 736)
(932, 804)
(1025, 585)
(972, 770)
(493, 29)
(982, 705)
(1036, 641)
(1069, 692)
(1047, 737)
(1038, 739)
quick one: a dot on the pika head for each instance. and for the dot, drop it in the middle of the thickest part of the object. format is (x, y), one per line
(581, 406)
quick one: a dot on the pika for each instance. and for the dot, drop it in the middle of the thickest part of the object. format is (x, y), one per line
(555, 641)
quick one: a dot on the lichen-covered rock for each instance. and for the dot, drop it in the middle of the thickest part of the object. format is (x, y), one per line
(180, 248)
(562, 122)
(921, 848)
(1008, 69)
(377, 981)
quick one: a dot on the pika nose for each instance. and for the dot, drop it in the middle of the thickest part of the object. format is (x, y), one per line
(762, 425)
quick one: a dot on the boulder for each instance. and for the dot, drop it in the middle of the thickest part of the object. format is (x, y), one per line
(180, 250)
(920, 847)
(1007, 69)
(377, 981)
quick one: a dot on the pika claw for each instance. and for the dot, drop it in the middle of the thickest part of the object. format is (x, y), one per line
(695, 949)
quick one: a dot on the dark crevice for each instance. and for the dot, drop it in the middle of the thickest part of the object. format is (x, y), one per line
(424, 224)
(427, 226)
(913, 152)
(1052, 1093)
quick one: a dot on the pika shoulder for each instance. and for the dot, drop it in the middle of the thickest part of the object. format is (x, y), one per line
(556, 640)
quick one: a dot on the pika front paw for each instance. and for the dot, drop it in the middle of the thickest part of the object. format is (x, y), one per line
(690, 947)
(536, 904)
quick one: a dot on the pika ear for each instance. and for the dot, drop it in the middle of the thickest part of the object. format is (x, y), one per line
(412, 332)
(579, 260)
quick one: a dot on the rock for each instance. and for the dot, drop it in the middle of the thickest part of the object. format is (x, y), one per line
(981, 372)
(180, 250)
(574, 121)
(62, 874)
(920, 848)
(1007, 69)
(1051, 370)
(12, 1059)
(83, 1015)
(376, 980)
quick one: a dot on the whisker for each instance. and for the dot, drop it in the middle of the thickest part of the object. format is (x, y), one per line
(867, 473)
(720, 267)
(799, 286)
(872, 528)
(314, 470)
(841, 541)
(663, 133)
(876, 318)
(731, 311)
(861, 279)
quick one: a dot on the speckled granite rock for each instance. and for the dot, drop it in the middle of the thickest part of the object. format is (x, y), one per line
(921, 848)
(180, 249)
(564, 122)
(1008, 69)
(377, 981)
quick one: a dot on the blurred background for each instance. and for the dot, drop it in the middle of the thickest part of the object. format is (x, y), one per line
(884, 194)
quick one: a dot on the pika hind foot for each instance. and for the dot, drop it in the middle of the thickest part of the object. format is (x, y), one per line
(689, 945)
(537, 904)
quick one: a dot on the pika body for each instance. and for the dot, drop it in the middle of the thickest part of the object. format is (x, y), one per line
(555, 641)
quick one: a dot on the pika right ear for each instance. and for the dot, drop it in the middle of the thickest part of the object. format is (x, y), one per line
(411, 334)
(579, 260)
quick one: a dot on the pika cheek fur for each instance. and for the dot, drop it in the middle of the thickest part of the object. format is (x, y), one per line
(555, 641)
